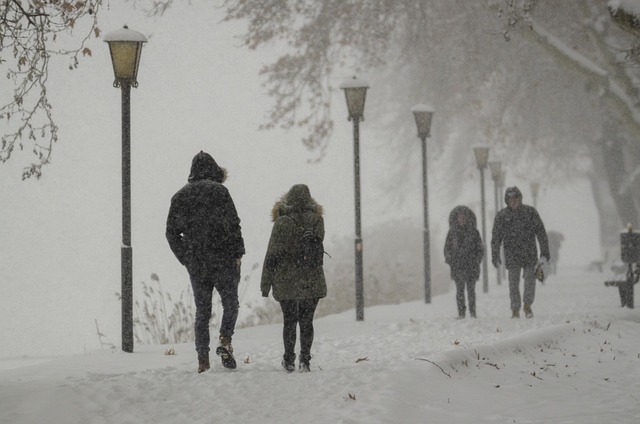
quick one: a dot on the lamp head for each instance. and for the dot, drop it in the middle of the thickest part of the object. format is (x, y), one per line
(355, 91)
(423, 114)
(496, 168)
(125, 46)
(482, 156)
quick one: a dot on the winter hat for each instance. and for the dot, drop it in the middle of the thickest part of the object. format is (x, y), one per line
(203, 167)
(512, 192)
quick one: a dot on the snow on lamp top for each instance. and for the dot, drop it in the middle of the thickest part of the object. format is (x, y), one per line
(125, 34)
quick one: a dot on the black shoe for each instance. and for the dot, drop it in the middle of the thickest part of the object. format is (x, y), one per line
(226, 354)
(288, 366)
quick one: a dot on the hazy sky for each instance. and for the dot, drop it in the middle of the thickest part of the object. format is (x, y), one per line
(61, 235)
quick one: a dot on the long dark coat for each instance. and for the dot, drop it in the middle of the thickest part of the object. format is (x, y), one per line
(518, 229)
(463, 249)
(203, 227)
(293, 212)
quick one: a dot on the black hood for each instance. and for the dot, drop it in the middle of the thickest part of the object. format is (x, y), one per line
(512, 192)
(203, 167)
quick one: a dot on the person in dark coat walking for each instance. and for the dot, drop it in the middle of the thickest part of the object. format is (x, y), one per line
(297, 288)
(463, 251)
(203, 230)
(517, 227)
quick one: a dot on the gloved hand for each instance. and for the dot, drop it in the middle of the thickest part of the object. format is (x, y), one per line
(265, 294)
(496, 262)
(544, 259)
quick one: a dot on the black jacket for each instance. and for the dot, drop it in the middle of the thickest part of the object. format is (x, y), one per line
(203, 227)
(463, 248)
(518, 229)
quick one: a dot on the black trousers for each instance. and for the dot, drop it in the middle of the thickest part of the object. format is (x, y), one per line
(296, 312)
(470, 286)
(225, 280)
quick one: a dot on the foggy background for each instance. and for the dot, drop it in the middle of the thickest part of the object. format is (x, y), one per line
(198, 90)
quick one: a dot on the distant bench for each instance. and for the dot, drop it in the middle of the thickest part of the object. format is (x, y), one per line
(625, 287)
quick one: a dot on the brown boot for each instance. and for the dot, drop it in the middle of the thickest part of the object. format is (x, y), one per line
(225, 352)
(203, 362)
(515, 313)
(527, 311)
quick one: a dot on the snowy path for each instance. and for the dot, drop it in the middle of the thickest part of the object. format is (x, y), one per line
(576, 361)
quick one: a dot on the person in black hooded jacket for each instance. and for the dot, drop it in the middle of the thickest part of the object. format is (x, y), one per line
(517, 227)
(463, 251)
(203, 231)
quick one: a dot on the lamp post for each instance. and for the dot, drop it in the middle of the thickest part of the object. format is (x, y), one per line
(535, 188)
(496, 171)
(482, 155)
(501, 183)
(355, 92)
(423, 114)
(125, 46)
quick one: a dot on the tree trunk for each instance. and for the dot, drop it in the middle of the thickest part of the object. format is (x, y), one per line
(609, 221)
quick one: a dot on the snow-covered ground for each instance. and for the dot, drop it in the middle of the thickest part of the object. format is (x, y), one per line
(576, 361)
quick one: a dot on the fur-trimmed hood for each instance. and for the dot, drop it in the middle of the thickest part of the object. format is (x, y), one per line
(468, 213)
(297, 199)
(204, 167)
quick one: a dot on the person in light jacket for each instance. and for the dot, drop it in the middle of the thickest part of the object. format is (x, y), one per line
(298, 289)
(464, 251)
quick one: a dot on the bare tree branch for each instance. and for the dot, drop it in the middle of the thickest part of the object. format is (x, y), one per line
(29, 34)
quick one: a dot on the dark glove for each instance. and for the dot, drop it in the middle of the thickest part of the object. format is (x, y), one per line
(496, 262)
(271, 264)
(265, 294)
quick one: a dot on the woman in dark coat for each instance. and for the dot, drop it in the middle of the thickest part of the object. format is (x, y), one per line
(296, 287)
(463, 251)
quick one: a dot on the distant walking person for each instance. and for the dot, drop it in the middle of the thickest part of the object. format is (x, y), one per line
(517, 227)
(463, 251)
(555, 241)
(203, 230)
(293, 269)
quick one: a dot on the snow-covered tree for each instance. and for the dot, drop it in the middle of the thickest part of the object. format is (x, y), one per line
(543, 82)
(551, 86)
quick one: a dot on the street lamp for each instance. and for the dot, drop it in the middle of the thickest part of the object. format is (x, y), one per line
(501, 184)
(482, 155)
(535, 188)
(355, 91)
(496, 172)
(125, 46)
(422, 114)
